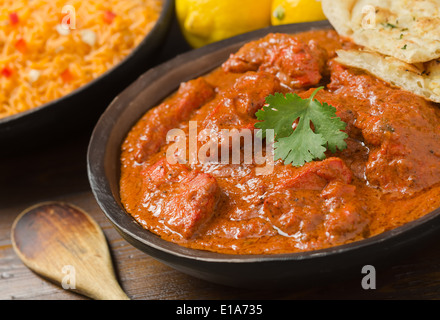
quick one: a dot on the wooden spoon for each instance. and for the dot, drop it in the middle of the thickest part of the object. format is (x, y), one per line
(65, 245)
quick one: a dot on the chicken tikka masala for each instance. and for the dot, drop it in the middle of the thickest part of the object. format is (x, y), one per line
(388, 174)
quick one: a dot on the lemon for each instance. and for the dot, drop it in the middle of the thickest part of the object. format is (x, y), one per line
(295, 11)
(206, 21)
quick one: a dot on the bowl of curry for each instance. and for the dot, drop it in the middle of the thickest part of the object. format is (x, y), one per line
(227, 222)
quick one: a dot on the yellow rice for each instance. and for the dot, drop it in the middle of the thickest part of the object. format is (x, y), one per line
(37, 73)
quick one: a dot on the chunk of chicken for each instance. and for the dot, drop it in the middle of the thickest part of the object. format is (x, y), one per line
(191, 96)
(191, 196)
(293, 62)
(346, 219)
(316, 175)
(192, 205)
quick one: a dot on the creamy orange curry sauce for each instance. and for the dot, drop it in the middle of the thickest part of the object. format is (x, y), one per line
(389, 174)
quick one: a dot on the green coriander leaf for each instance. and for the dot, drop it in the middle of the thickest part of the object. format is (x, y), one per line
(326, 123)
(302, 146)
(318, 127)
(280, 113)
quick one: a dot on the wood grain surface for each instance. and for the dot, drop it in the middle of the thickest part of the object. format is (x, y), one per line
(57, 172)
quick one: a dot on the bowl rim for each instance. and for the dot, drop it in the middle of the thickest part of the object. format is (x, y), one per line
(167, 9)
(143, 238)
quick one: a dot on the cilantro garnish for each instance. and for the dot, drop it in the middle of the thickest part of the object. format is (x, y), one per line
(302, 144)
(389, 25)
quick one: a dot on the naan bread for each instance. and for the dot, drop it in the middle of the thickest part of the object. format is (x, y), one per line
(422, 79)
(408, 30)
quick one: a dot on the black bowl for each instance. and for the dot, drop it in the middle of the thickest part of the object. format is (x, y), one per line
(80, 109)
(250, 271)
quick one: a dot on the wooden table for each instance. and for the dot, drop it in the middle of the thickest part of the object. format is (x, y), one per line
(58, 172)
